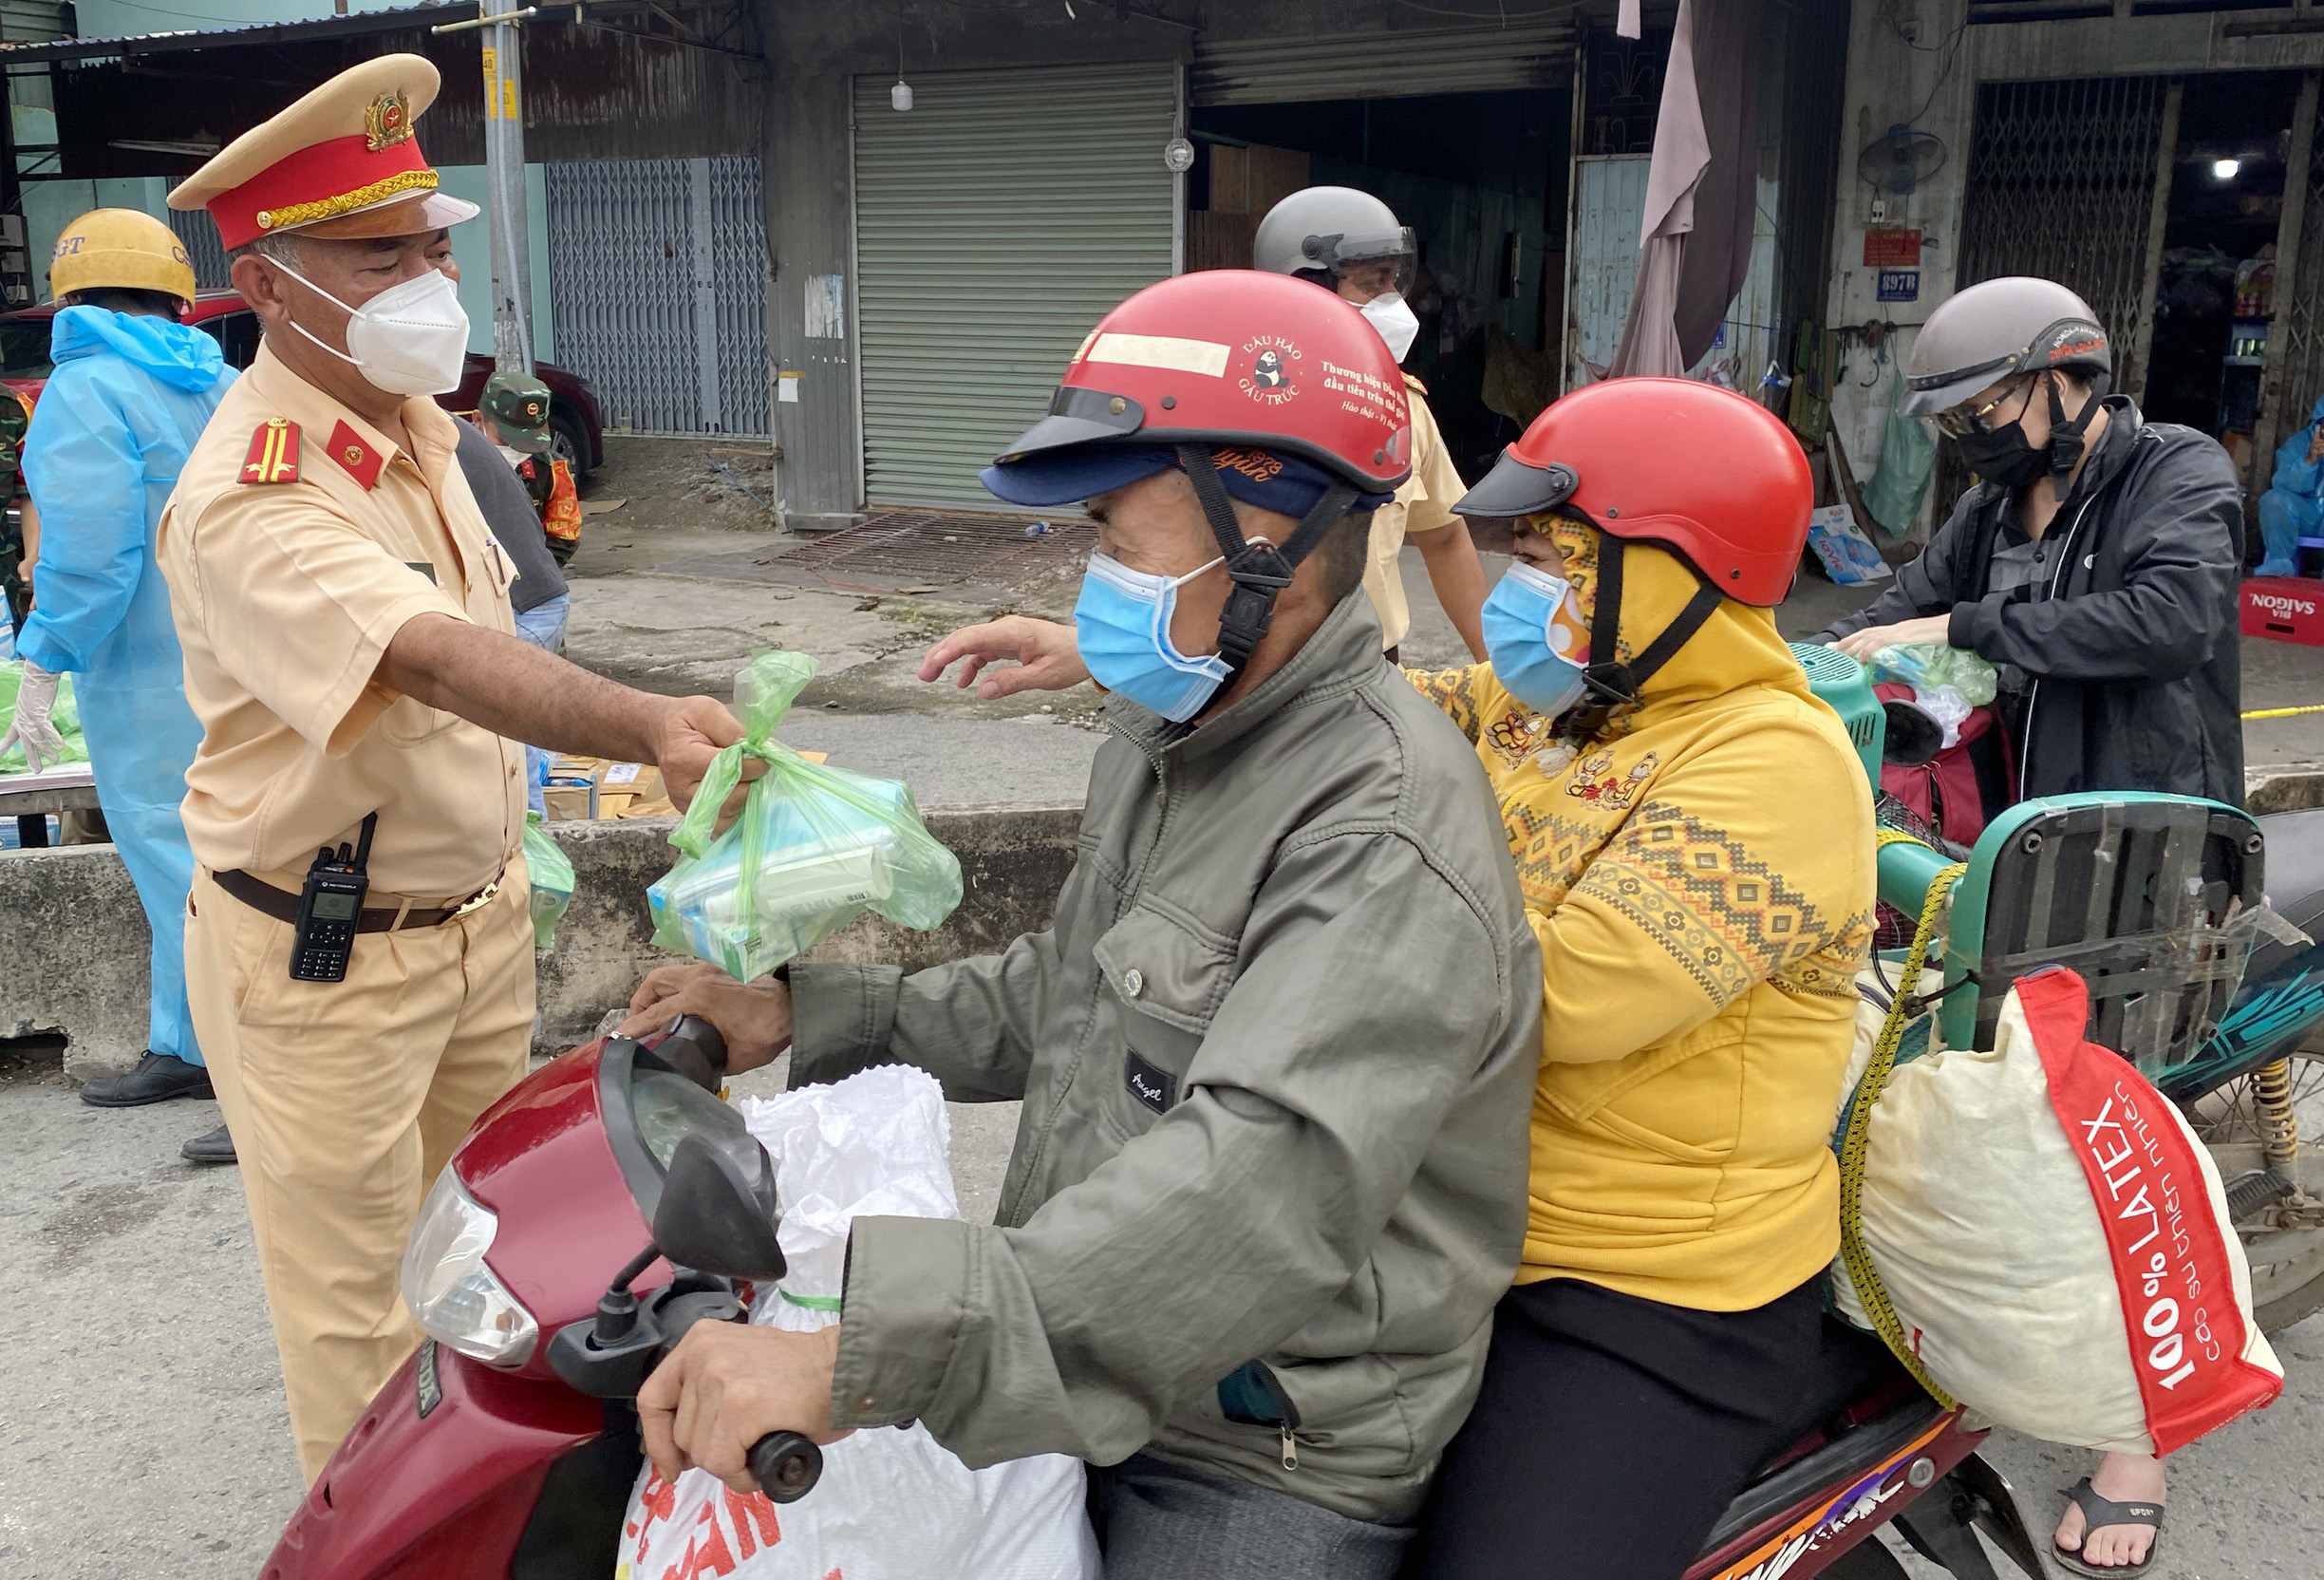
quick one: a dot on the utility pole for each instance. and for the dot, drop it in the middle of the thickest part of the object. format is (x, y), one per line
(504, 165)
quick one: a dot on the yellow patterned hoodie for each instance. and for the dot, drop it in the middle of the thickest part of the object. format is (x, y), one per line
(1700, 875)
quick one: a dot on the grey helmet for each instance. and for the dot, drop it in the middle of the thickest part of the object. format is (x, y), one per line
(1996, 330)
(1319, 229)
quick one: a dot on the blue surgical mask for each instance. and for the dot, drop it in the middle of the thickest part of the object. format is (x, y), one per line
(1122, 622)
(1536, 639)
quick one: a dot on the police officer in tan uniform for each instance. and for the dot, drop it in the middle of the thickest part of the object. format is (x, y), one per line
(349, 652)
(1351, 243)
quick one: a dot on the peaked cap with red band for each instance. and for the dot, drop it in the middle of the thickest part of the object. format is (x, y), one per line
(342, 163)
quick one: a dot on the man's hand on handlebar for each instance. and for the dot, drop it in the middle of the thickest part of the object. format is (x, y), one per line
(725, 1386)
(753, 1017)
(1046, 657)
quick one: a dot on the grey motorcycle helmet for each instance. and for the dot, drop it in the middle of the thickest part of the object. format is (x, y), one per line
(1320, 230)
(1996, 330)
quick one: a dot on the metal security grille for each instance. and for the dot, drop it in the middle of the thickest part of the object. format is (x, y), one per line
(657, 281)
(1534, 50)
(996, 222)
(2061, 184)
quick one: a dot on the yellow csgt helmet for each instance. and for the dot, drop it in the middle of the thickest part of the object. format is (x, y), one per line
(120, 249)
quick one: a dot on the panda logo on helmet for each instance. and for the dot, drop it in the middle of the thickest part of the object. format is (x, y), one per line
(1268, 375)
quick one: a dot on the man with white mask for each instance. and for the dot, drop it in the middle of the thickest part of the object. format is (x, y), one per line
(1352, 243)
(351, 659)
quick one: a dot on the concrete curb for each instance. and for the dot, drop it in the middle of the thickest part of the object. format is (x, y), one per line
(78, 942)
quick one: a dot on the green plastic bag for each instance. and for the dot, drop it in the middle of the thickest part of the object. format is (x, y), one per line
(1908, 455)
(1927, 666)
(551, 871)
(66, 716)
(815, 848)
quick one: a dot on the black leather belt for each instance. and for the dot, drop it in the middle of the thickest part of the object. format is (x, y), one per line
(283, 906)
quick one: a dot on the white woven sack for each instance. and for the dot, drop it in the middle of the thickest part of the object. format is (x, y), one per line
(1984, 1226)
(893, 1504)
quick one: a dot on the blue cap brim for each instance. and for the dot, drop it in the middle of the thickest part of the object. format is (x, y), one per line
(1069, 477)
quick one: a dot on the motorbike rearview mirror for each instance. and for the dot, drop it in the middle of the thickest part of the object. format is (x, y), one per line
(718, 1210)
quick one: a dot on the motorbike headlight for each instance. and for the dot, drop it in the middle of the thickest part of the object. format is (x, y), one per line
(458, 1300)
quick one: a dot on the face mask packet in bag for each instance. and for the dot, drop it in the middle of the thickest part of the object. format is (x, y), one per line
(815, 848)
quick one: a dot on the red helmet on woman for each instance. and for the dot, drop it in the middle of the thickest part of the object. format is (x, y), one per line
(1701, 471)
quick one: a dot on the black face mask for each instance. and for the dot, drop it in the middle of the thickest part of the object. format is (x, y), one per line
(2003, 456)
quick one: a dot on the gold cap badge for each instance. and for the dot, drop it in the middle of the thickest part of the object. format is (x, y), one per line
(387, 120)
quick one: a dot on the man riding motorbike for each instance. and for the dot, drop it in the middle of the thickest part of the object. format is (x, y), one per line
(1693, 832)
(1274, 1049)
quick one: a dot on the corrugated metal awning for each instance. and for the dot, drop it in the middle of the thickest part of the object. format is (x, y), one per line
(28, 21)
(1531, 52)
(397, 20)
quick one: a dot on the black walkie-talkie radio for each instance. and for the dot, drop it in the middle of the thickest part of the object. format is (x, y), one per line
(329, 908)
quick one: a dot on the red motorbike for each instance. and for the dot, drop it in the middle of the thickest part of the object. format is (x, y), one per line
(610, 1200)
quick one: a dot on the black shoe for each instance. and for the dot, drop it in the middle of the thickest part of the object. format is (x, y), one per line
(212, 1146)
(157, 1078)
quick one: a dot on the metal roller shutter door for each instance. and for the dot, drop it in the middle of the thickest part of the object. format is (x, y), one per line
(1536, 51)
(996, 222)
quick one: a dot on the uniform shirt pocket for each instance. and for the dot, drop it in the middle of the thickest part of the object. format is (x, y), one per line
(1163, 983)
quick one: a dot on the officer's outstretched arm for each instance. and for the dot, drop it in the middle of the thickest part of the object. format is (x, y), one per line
(513, 689)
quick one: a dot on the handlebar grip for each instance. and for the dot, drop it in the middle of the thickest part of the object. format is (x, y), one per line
(787, 1465)
(693, 1047)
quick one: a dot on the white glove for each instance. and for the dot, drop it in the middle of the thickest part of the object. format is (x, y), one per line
(30, 729)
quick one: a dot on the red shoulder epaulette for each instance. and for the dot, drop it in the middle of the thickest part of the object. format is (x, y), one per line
(1411, 383)
(273, 452)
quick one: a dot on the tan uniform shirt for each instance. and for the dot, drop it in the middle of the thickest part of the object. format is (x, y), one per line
(287, 594)
(1424, 503)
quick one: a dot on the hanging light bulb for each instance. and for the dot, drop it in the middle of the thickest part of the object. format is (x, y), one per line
(2225, 169)
(899, 96)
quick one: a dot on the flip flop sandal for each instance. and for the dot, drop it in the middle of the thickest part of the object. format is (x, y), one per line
(2099, 1510)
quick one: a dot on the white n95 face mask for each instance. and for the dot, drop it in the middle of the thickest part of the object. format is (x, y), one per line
(1396, 322)
(411, 339)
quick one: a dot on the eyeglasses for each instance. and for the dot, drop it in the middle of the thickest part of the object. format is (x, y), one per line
(1960, 421)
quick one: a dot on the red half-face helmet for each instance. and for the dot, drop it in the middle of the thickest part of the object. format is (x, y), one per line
(1708, 473)
(1232, 357)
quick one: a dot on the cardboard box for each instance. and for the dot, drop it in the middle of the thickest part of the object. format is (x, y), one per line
(2290, 609)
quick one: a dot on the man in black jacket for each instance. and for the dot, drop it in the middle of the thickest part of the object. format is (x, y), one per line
(2096, 565)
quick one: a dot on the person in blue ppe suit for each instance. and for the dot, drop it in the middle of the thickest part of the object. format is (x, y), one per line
(133, 388)
(2291, 510)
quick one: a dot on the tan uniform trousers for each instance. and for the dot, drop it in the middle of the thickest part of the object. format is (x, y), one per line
(345, 1100)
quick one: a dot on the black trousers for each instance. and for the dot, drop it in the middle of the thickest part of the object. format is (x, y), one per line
(1612, 1432)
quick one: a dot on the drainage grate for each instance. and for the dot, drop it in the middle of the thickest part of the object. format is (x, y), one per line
(896, 550)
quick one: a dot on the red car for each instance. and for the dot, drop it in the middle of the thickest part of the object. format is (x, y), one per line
(574, 416)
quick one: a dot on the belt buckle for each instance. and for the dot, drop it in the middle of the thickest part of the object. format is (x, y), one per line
(476, 901)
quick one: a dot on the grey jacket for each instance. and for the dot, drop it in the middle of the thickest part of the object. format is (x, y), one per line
(1277, 1056)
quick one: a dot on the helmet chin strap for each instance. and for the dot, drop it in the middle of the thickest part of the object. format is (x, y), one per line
(1614, 685)
(2065, 441)
(1258, 569)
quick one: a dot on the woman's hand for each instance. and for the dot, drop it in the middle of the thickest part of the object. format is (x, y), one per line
(1046, 657)
(1930, 631)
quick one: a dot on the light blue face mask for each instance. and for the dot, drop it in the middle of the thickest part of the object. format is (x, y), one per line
(1529, 647)
(1122, 622)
